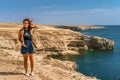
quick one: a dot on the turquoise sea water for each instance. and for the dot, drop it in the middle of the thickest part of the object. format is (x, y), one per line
(104, 65)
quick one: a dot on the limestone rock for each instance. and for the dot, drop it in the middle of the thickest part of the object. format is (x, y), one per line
(86, 47)
(79, 27)
(101, 43)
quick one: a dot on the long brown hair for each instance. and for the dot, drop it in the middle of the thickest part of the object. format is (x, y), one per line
(29, 22)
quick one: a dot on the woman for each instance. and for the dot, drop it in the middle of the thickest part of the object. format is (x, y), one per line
(28, 42)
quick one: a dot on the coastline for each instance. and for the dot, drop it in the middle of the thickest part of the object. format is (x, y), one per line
(52, 41)
(79, 27)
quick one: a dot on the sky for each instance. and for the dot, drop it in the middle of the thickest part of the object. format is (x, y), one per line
(65, 12)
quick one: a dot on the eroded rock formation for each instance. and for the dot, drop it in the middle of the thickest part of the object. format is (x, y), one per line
(58, 41)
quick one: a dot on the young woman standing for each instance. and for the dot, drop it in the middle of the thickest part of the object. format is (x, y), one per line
(28, 43)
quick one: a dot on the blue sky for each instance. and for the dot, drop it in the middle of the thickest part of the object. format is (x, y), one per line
(75, 12)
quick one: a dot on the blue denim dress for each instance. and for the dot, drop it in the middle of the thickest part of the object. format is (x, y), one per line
(27, 40)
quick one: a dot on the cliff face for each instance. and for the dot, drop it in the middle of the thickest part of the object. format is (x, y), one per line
(58, 42)
(67, 41)
(101, 43)
(79, 27)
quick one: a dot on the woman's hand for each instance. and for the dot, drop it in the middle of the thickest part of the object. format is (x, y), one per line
(22, 44)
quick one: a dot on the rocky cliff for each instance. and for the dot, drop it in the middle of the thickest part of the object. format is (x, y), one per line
(79, 27)
(56, 41)
(51, 41)
(46, 68)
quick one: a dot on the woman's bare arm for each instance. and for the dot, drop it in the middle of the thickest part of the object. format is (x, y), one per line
(19, 38)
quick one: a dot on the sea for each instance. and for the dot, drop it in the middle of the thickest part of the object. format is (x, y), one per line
(104, 65)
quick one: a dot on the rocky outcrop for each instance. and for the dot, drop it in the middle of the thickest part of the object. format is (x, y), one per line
(90, 27)
(46, 68)
(79, 27)
(101, 43)
(91, 43)
(61, 70)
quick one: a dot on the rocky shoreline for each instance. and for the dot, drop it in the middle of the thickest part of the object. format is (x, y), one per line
(46, 68)
(51, 41)
(79, 27)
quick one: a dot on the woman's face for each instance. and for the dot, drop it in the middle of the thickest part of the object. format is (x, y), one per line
(26, 24)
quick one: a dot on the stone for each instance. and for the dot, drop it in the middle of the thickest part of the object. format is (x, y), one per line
(86, 47)
(101, 43)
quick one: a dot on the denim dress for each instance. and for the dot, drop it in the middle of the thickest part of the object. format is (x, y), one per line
(28, 42)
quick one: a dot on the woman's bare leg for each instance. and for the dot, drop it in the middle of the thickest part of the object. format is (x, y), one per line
(31, 57)
(25, 57)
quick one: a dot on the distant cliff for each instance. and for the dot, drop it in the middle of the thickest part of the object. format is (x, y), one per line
(79, 27)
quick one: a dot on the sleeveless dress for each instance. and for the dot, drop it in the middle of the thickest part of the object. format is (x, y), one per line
(28, 42)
